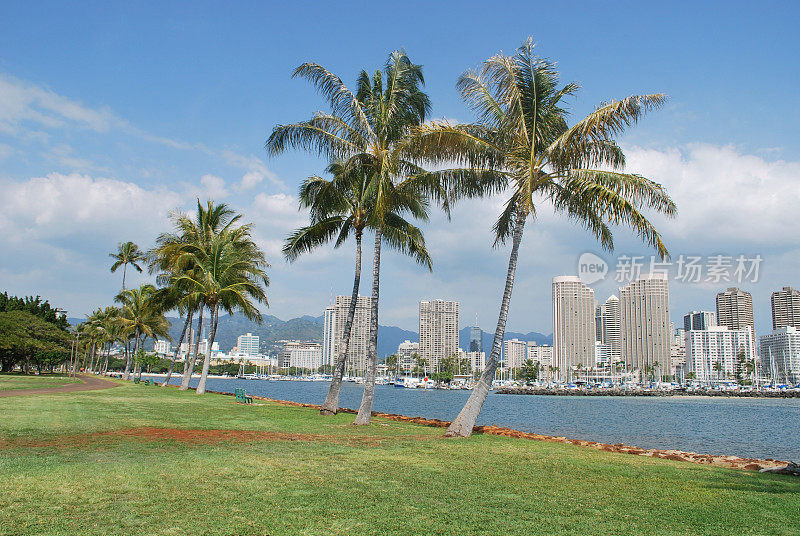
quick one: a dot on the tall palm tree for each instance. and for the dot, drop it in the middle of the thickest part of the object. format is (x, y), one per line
(365, 128)
(523, 145)
(169, 256)
(141, 317)
(127, 253)
(229, 275)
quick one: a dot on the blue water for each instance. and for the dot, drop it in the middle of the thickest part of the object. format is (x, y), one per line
(747, 427)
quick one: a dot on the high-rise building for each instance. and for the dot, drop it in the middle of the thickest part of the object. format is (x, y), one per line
(598, 324)
(248, 344)
(644, 325)
(475, 339)
(540, 354)
(786, 308)
(711, 353)
(301, 355)
(677, 352)
(735, 309)
(611, 328)
(699, 320)
(333, 332)
(328, 336)
(406, 355)
(573, 325)
(515, 352)
(780, 355)
(438, 331)
(477, 360)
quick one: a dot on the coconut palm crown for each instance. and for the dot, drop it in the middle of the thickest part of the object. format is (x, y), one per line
(522, 145)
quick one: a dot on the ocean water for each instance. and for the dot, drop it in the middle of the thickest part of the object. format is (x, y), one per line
(747, 427)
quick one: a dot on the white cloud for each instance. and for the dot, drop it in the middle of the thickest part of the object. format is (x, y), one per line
(212, 187)
(58, 205)
(256, 170)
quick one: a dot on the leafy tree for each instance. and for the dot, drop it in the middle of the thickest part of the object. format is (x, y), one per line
(34, 306)
(529, 372)
(523, 146)
(24, 336)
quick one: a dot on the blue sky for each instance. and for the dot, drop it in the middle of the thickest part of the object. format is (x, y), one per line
(110, 115)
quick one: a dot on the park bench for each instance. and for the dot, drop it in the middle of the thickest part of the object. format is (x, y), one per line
(243, 397)
(136, 380)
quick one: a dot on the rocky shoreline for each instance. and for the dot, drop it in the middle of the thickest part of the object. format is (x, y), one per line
(645, 392)
(731, 462)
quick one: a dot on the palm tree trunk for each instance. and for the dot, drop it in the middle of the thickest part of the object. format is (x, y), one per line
(465, 421)
(135, 350)
(189, 365)
(365, 411)
(201, 385)
(178, 348)
(92, 358)
(124, 267)
(331, 405)
(127, 374)
(135, 354)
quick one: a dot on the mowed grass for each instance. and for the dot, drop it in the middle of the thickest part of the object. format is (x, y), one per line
(56, 477)
(22, 381)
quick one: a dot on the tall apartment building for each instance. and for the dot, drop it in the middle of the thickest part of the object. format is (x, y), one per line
(573, 325)
(735, 309)
(162, 347)
(780, 355)
(477, 360)
(248, 344)
(711, 353)
(644, 324)
(301, 355)
(598, 323)
(677, 352)
(515, 353)
(406, 352)
(699, 320)
(438, 331)
(611, 327)
(333, 332)
(541, 354)
(328, 336)
(786, 308)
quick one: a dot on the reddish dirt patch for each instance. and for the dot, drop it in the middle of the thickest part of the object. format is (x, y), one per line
(186, 436)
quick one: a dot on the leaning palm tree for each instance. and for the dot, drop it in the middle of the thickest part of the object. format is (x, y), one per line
(229, 275)
(523, 145)
(127, 253)
(365, 128)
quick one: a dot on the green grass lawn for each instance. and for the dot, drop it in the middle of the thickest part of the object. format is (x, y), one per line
(62, 472)
(21, 381)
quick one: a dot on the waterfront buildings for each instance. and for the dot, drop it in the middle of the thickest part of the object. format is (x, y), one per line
(438, 331)
(333, 332)
(699, 320)
(780, 355)
(162, 347)
(573, 325)
(735, 309)
(301, 355)
(786, 308)
(477, 360)
(711, 354)
(407, 353)
(540, 354)
(602, 355)
(515, 353)
(644, 325)
(677, 353)
(248, 345)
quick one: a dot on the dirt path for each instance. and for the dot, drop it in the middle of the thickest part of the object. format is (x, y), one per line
(88, 383)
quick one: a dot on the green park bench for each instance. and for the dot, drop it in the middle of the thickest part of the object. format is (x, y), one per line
(243, 397)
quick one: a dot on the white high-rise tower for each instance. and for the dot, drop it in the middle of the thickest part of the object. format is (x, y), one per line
(573, 325)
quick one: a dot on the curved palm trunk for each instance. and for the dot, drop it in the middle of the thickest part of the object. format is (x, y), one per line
(177, 349)
(188, 367)
(365, 411)
(135, 348)
(93, 357)
(465, 421)
(201, 385)
(331, 405)
(124, 268)
(135, 354)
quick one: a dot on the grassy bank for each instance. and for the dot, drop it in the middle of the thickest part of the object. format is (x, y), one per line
(21, 381)
(101, 462)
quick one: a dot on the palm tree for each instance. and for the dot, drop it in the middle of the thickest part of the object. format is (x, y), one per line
(170, 256)
(523, 145)
(141, 317)
(127, 253)
(366, 129)
(229, 274)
